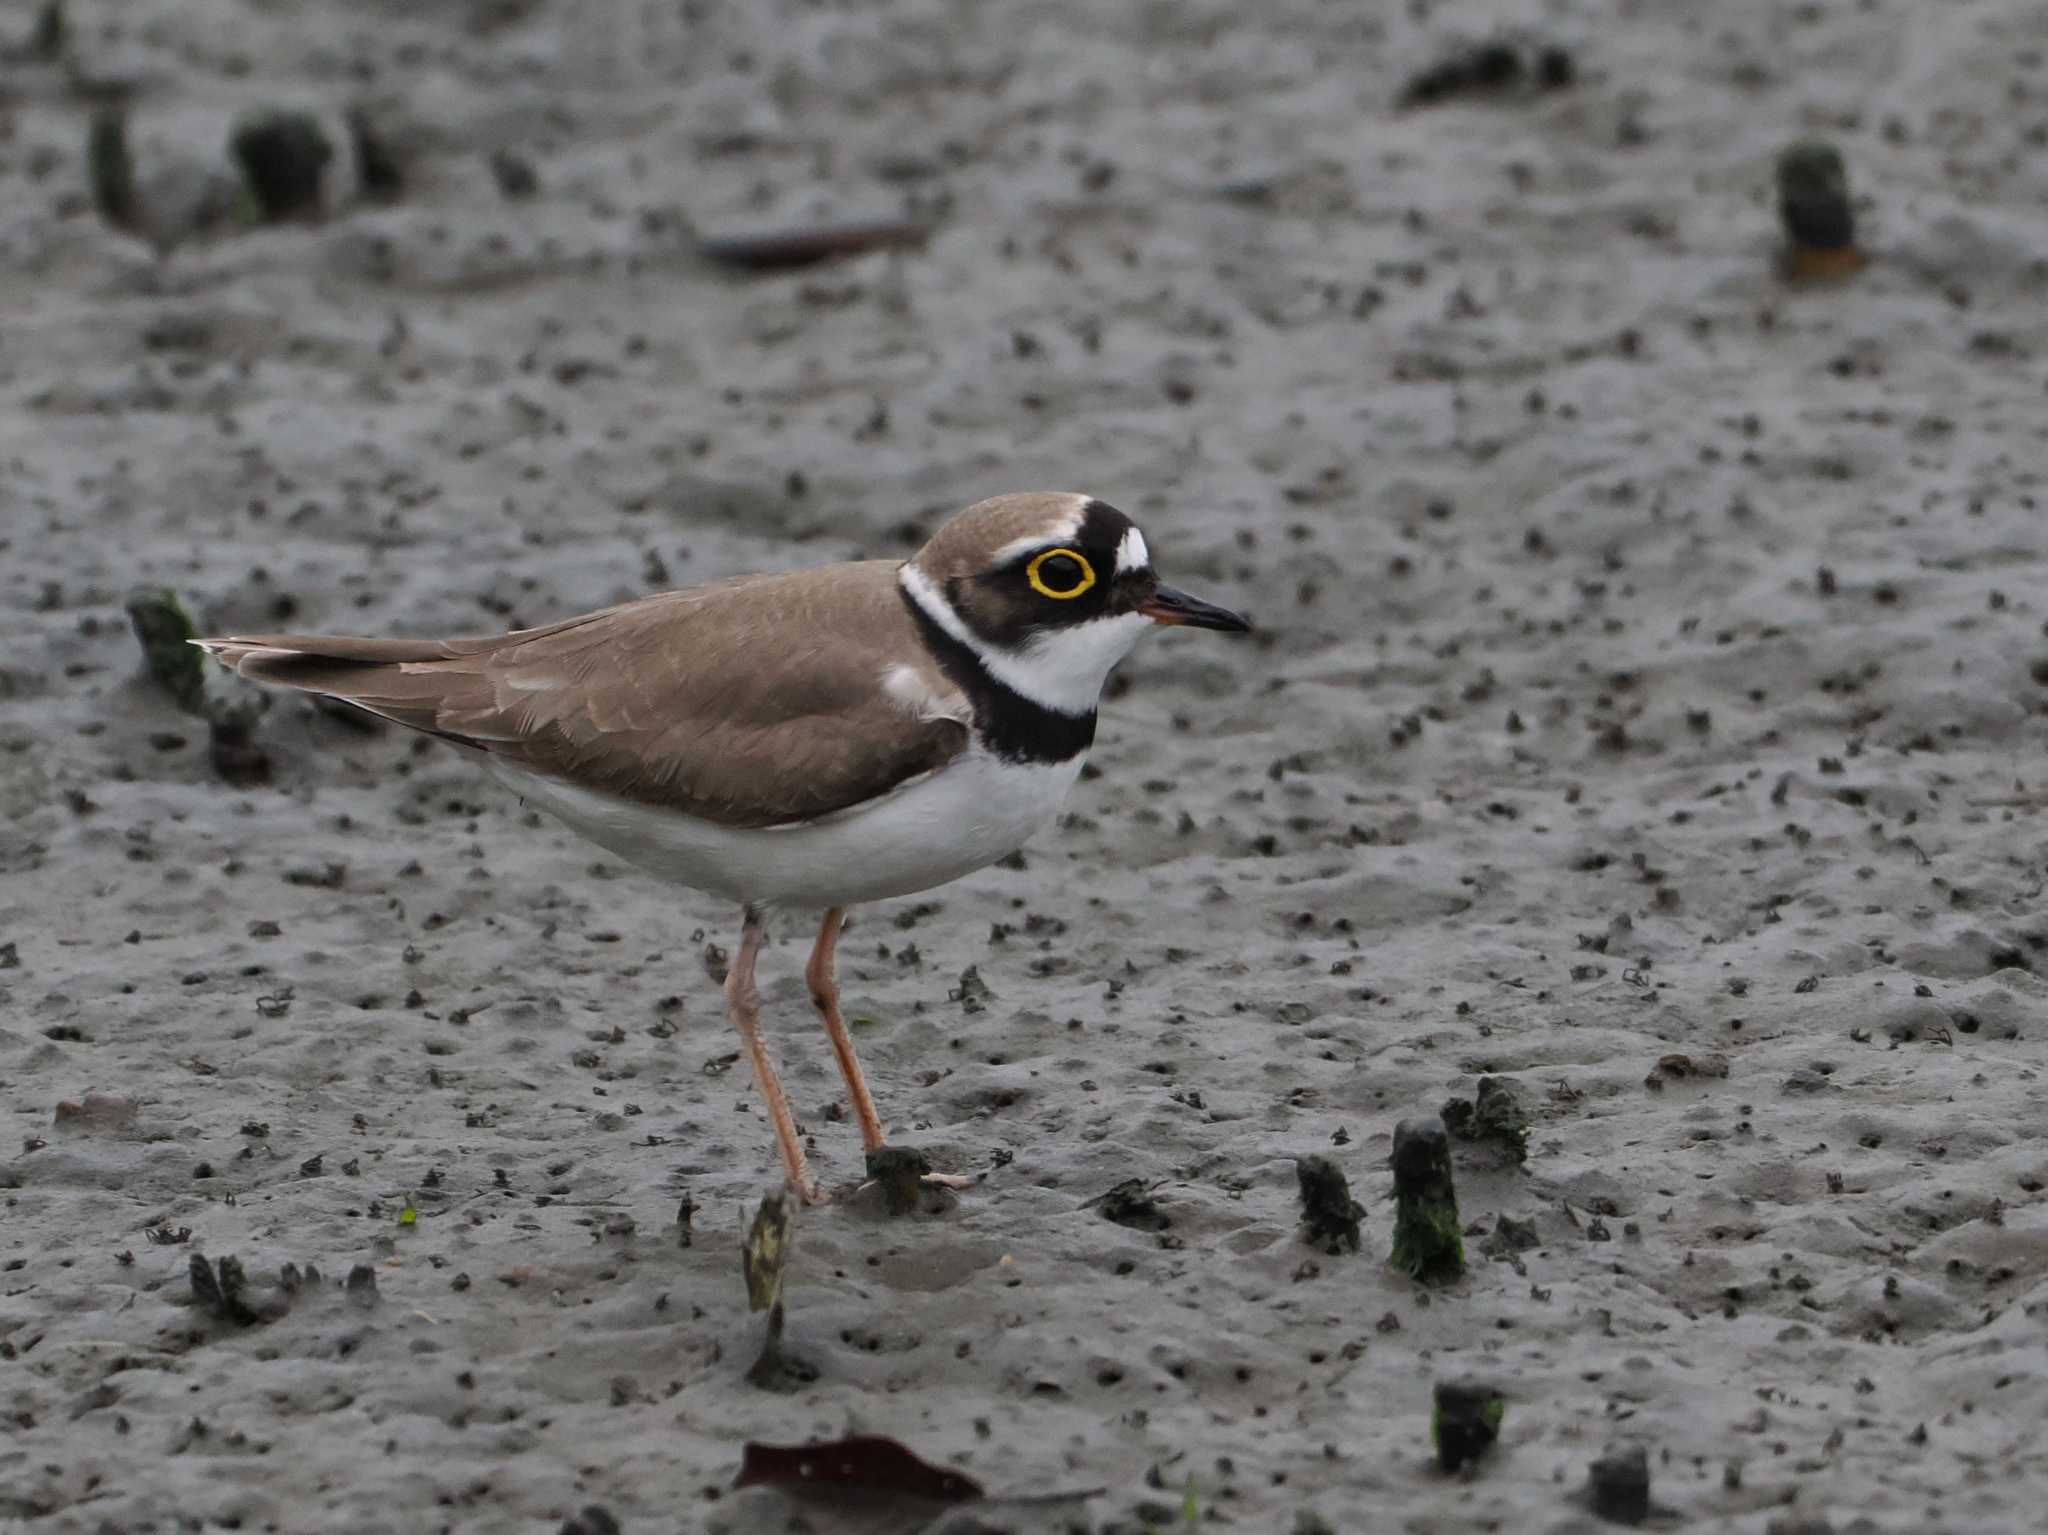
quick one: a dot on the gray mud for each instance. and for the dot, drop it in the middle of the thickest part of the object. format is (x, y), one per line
(1651, 667)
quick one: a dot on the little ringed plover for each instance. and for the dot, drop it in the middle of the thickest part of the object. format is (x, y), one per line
(815, 738)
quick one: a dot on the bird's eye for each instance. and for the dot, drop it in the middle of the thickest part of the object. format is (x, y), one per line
(1060, 573)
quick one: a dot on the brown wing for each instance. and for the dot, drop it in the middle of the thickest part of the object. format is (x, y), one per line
(751, 702)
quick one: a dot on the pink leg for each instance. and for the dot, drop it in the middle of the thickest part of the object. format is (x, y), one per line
(743, 1001)
(825, 998)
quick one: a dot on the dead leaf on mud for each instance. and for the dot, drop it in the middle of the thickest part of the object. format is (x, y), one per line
(864, 1462)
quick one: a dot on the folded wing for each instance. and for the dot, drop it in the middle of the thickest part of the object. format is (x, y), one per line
(749, 703)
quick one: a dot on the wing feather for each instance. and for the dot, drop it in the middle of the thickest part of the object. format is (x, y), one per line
(753, 702)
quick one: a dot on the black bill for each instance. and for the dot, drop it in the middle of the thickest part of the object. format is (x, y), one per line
(1169, 606)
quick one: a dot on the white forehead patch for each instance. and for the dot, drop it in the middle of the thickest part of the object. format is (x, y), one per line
(1061, 530)
(1131, 553)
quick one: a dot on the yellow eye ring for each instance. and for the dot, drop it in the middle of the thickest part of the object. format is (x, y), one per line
(1038, 581)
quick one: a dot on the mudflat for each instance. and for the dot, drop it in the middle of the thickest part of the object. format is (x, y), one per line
(1645, 714)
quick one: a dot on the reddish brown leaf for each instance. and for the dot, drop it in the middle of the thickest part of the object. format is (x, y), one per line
(867, 1461)
(783, 250)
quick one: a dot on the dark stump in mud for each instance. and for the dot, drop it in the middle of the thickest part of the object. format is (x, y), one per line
(1328, 1211)
(1492, 1116)
(380, 171)
(165, 634)
(1618, 1484)
(898, 1171)
(1428, 1244)
(110, 168)
(1814, 208)
(1465, 1421)
(283, 156)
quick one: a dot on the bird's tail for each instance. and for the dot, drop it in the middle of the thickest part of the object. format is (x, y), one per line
(394, 679)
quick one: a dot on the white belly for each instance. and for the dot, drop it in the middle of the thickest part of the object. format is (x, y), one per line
(963, 817)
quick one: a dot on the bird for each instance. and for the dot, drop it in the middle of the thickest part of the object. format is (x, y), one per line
(807, 739)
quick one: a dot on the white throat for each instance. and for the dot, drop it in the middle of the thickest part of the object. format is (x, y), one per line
(1058, 669)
